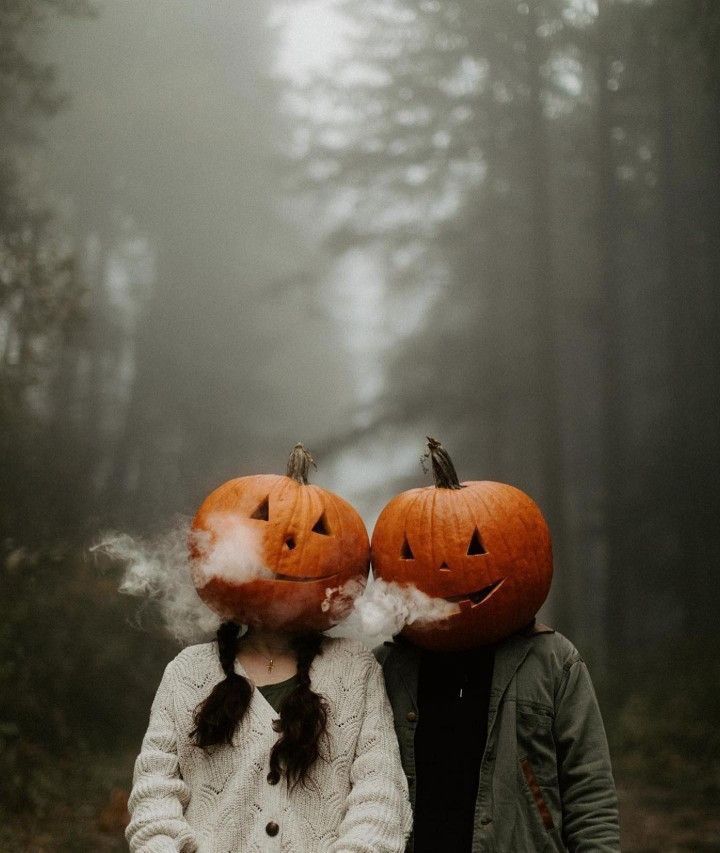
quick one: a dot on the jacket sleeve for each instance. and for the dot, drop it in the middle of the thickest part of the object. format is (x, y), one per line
(159, 795)
(587, 789)
(378, 817)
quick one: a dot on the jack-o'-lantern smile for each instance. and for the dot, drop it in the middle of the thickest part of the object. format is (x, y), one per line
(476, 598)
(302, 579)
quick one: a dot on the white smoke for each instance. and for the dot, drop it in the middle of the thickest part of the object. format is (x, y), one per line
(160, 570)
(385, 609)
(232, 551)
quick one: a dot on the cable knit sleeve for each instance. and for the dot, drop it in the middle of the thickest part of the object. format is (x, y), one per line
(378, 817)
(159, 795)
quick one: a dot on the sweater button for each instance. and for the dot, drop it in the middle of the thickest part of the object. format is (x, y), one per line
(411, 716)
(485, 820)
(272, 829)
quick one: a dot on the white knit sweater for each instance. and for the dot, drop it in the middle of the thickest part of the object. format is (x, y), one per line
(186, 800)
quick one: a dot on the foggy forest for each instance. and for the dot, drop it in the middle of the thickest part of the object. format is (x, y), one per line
(229, 227)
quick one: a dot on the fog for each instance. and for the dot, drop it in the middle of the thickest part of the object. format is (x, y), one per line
(230, 227)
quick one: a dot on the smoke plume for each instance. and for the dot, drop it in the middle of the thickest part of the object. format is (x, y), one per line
(160, 570)
(384, 609)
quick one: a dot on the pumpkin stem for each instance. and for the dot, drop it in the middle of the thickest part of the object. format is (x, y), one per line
(299, 464)
(443, 469)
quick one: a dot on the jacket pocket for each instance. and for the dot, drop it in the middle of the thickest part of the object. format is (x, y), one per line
(536, 742)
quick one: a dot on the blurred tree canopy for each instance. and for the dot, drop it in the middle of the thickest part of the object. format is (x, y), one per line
(40, 293)
(543, 175)
(138, 333)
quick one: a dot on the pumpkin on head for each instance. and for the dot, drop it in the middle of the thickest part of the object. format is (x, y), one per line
(266, 550)
(484, 546)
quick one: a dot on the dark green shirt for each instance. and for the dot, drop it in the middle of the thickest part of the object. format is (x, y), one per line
(275, 693)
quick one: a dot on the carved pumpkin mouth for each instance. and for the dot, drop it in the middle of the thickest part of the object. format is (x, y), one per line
(302, 578)
(475, 598)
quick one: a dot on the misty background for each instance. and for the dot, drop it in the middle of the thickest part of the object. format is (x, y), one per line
(229, 227)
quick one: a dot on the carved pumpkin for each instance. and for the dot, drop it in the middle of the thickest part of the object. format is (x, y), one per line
(268, 550)
(482, 545)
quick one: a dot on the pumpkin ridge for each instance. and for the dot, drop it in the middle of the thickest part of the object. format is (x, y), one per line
(433, 499)
(479, 495)
(471, 513)
(447, 510)
(521, 518)
(291, 514)
(266, 526)
(337, 525)
(302, 534)
(528, 504)
(338, 516)
(528, 530)
(420, 494)
(493, 497)
(307, 511)
(276, 495)
(316, 499)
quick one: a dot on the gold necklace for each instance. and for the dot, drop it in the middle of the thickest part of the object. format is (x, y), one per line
(270, 661)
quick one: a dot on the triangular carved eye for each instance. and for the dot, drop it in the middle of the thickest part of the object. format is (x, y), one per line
(262, 513)
(476, 546)
(321, 526)
(406, 551)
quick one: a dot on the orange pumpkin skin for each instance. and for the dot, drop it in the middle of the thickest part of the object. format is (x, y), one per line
(309, 541)
(485, 546)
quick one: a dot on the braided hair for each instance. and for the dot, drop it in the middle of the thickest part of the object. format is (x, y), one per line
(303, 713)
(303, 720)
(218, 716)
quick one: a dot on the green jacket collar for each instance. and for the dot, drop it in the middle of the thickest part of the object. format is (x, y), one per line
(509, 655)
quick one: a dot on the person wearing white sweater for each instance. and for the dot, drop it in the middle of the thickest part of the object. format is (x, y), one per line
(235, 761)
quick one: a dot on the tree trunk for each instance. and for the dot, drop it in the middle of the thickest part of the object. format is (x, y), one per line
(545, 331)
(613, 389)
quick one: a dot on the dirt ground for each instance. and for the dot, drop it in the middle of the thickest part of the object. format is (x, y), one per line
(654, 820)
(658, 820)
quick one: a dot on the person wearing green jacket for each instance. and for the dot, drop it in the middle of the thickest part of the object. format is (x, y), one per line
(500, 733)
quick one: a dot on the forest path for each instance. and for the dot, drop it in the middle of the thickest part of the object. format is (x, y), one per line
(655, 819)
